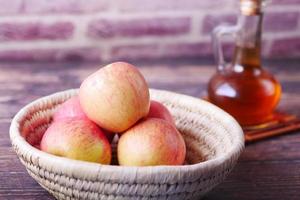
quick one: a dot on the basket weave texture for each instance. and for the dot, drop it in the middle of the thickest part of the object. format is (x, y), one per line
(213, 138)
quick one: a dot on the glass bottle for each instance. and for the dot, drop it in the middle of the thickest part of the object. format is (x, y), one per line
(243, 88)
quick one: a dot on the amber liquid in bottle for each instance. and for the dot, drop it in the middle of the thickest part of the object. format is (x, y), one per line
(244, 89)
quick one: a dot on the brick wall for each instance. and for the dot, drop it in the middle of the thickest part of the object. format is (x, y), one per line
(46, 30)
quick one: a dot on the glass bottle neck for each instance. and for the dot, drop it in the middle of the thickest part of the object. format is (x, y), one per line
(248, 41)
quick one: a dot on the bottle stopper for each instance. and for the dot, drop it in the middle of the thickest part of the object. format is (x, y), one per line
(252, 7)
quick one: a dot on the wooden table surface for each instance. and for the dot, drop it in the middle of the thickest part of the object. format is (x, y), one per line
(266, 170)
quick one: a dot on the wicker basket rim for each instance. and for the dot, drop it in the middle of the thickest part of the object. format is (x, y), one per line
(18, 141)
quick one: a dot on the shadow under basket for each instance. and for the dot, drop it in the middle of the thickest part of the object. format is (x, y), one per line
(213, 138)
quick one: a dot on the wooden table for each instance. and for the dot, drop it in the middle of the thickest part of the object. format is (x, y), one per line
(266, 170)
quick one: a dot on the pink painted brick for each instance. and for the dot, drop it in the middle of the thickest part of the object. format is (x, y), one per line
(154, 51)
(134, 52)
(157, 5)
(286, 48)
(35, 31)
(8, 7)
(64, 6)
(107, 28)
(281, 21)
(211, 21)
(74, 54)
(275, 21)
(285, 2)
(197, 49)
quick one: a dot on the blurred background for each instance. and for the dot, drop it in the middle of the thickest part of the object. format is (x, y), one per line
(99, 30)
(39, 38)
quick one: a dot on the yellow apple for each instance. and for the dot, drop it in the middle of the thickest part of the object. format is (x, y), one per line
(151, 142)
(77, 139)
(115, 97)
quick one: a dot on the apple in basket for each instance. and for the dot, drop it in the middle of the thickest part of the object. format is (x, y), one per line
(158, 110)
(72, 109)
(151, 142)
(69, 109)
(115, 97)
(79, 139)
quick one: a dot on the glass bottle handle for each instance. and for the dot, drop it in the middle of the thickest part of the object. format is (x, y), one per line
(217, 33)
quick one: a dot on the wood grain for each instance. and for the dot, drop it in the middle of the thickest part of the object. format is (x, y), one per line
(266, 170)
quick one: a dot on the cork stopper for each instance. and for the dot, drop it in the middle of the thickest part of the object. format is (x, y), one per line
(252, 7)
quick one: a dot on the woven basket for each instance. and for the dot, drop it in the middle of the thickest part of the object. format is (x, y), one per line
(213, 138)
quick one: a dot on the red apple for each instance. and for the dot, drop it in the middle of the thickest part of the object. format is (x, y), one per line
(115, 97)
(72, 109)
(78, 139)
(158, 110)
(151, 142)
